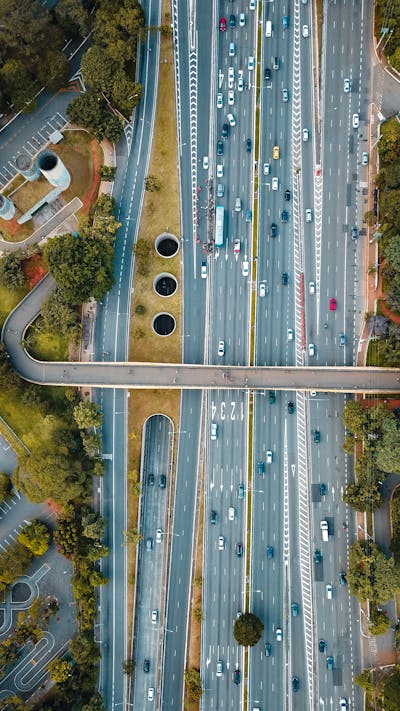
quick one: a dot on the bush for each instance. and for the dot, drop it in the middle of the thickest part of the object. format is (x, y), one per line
(36, 537)
(248, 629)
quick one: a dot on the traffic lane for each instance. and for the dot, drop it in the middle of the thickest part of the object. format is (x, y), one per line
(178, 590)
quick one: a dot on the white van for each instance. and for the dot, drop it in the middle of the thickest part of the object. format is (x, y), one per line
(324, 530)
(268, 28)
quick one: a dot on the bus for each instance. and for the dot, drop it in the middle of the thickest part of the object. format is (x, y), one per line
(219, 226)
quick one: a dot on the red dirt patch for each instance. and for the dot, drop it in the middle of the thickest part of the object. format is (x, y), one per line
(392, 403)
(388, 313)
(34, 269)
(94, 188)
(56, 509)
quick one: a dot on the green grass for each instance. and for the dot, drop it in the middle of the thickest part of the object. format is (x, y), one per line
(9, 298)
(47, 346)
(374, 354)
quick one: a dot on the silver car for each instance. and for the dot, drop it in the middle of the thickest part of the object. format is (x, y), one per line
(221, 348)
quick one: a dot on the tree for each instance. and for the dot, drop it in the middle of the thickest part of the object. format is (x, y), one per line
(388, 449)
(84, 650)
(193, 683)
(14, 562)
(91, 443)
(36, 537)
(8, 654)
(67, 537)
(60, 670)
(248, 629)
(72, 16)
(59, 317)
(379, 623)
(98, 70)
(126, 93)
(42, 475)
(107, 172)
(363, 497)
(366, 681)
(152, 183)
(81, 265)
(116, 29)
(53, 68)
(391, 690)
(132, 536)
(5, 486)
(19, 83)
(354, 418)
(93, 525)
(11, 272)
(95, 704)
(371, 575)
(87, 414)
(128, 666)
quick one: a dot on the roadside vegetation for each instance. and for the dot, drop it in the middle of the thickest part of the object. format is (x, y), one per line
(384, 346)
(382, 688)
(387, 15)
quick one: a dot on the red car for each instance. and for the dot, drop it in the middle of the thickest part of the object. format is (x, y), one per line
(332, 304)
(222, 24)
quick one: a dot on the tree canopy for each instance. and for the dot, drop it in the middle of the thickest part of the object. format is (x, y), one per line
(248, 629)
(371, 575)
(36, 537)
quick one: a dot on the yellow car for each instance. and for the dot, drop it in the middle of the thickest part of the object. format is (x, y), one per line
(276, 153)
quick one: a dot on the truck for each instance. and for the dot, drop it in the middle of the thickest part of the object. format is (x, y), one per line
(324, 530)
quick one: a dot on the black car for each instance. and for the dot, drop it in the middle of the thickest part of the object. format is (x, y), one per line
(236, 676)
(322, 489)
(150, 480)
(354, 232)
(284, 215)
(267, 649)
(213, 517)
(239, 550)
(232, 21)
(287, 194)
(225, 130)
(162, 482)
(317, 436)
(322, 645)
(285, 279)
(295, 683)
(220, 148)
(274, 230)
(267, 74)
(317, 556)
(146, 666)
(248, 145)
(290, 407)
(342, 577)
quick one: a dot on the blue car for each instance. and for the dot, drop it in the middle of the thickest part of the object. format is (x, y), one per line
(261, 467)
(270, 552)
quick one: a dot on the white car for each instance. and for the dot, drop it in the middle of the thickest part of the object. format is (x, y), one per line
(290, 334)
(219, 669)
(262, 290)
(346, 86)
(240, 84)
(269, 456)
(252, 5)
(159, 535)
(308, 215)
(231, 119)
(275, 183)
(342, 704)
(311, 287)
(356, 120)
(311, 349)
(242, 19)
(238, 204)
(220, 100)
(231, 513)
(250, 64)
(306, 134)
(154, 617)
(231, 97)
(329, 591)
(221, 543)
(205, 162)
(364, 158)
(231, 77)
(245, 268)
(220, 171)
(232, 49)
(305, 31)
(203, 271)
(150, 693)
(278, 634)
(266, 168)
(214, 430)
(221, 348)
